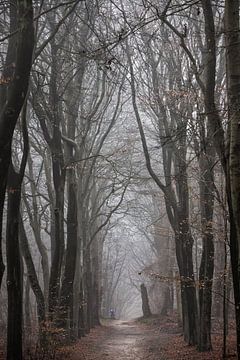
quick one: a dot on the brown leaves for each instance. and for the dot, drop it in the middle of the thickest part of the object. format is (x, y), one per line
(159, 338)
(178, 350)
(5, 80)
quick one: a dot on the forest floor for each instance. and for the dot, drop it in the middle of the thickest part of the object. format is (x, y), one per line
(119, 340)
(157, 338)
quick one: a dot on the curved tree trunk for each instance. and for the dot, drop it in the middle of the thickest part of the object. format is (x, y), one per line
(54, 142)
(33, 279)
(177, 203)
(14, 89)
(34, 220)
(14, 263)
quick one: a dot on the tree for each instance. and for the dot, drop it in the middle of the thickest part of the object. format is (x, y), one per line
(14, 87)
(145, 303)
(177, 202)
(14, 266)
(233, 165)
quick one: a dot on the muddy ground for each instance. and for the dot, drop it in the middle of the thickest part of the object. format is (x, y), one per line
(153, 339)
(121, 340)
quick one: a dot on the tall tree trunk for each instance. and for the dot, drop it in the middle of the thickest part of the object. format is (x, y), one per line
(184, 244)
(81, 313)
(67, 292)
(34, 219)
(177, 207)
(14, 89)
(232, 37)
(206, 164)
(167, 301)
(32, 275)
(14, 269)
(219, 268)
(229, 160)
(96, 290)
(14, 265)
(89, 287)
(58, 172)
(78, 296)
(27, 315)
(145, 302)
(66, 295)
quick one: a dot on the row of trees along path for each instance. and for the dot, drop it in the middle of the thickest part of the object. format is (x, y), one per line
(99, 100)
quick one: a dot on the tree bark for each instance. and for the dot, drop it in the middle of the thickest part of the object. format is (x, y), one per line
(145, 303)
(15, 89)
(14, 269)
(233, 174)
(14, 264)
(34, 219)
(184, 243)
(66, 295)
(81, 313)
(27, 315)
(96, 278)
(89, 287)
(177, 203)
(33, 279)
(54, 142)
(207, 260)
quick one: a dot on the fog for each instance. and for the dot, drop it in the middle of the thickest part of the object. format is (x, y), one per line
(119, 169)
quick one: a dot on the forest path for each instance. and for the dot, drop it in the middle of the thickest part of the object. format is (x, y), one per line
(120, 340)
(132, 341)
(156, 338)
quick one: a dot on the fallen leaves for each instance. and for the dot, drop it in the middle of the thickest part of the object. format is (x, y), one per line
(159, 338)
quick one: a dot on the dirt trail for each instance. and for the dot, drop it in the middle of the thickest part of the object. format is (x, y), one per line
(121, 341)
(157, 338)
(131, 341)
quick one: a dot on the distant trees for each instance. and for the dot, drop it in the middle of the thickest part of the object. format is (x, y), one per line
(202, 62)
(73, 106)
(172, 132)
(73, 132)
